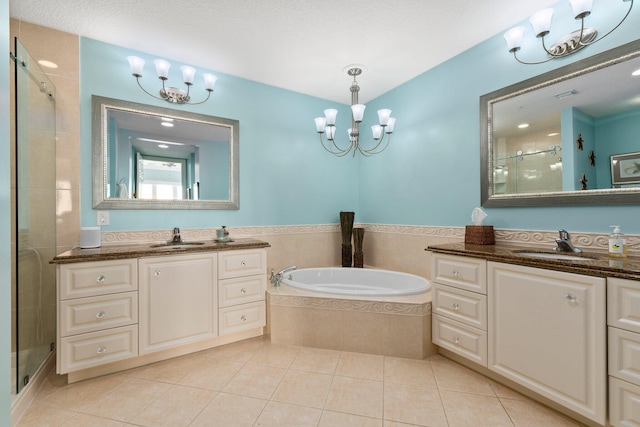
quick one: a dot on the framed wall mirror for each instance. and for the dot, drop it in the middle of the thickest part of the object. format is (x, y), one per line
(147, 157)
(565, 137)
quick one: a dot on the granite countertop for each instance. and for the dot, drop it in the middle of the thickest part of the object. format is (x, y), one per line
(110, 252)
(595, 263)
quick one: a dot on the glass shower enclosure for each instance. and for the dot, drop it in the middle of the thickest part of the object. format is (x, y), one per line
(33, 217)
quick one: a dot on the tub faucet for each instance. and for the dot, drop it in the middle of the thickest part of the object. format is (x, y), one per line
(176, 236)
(564, 243)
(276, 277)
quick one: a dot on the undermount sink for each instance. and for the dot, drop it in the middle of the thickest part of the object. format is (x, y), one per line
(171, 246)
(557, 256)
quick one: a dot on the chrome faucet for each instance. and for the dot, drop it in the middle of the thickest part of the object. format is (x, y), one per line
(176, 236)
(277, 277)
(564, 243)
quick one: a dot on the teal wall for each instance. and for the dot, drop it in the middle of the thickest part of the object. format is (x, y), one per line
(5, 222)
(428, 176)
(620, 134)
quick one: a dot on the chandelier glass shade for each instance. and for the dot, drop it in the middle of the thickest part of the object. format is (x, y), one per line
(381, 132)
(168, 93)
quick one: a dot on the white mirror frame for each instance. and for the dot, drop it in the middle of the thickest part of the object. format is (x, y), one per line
(561, 198)
(100, 105)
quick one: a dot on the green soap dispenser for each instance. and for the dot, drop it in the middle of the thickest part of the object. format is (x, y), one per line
(617, 243)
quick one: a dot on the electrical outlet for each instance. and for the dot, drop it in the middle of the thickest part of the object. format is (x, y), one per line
(103, 217)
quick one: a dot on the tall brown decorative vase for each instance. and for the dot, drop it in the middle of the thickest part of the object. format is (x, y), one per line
(358, 256)
(346, 227)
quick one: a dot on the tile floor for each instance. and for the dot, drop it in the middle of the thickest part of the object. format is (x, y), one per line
(256, 383)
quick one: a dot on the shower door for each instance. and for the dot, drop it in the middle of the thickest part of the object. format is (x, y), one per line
(33, 217)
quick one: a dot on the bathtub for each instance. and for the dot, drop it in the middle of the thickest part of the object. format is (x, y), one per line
(352, 309)
(356, 281)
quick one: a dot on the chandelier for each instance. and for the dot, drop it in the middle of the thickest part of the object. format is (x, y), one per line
(381, 132)
(168, 93)
(566, 45)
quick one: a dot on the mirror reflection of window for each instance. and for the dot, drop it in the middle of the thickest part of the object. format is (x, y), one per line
(161, 179)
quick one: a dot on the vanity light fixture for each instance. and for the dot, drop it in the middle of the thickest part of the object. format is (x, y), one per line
(168, 93)
(570, 43)
(381, 132)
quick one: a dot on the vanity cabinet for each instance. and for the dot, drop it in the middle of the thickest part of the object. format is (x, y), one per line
(623, 320)
(97, 314)
(547, 332)
(242, 283)
(178, 300)
(459, 322)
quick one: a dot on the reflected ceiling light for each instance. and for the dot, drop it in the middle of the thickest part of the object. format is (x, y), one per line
(163, 146)
(554, 134)
(326, 125)
(636, 73)
(566, 45)
(47, 64)
(172, 94)
(523, 125)
(566, 94)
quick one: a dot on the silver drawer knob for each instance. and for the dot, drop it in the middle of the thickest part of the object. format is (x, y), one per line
(456, 306)
(571, 299)
(100, 279)
(243, 290)
(243, 263)
(456, 340)
(456, 273)
(243, 318)
(101, 314)
(157, 273)
(102, 350)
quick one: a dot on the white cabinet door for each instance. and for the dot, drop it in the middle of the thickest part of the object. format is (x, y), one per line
(178, 300)
(547, 331)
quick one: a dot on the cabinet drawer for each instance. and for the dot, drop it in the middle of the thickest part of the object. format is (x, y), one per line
(241, 263)
(86, 279)
(459, 338)
(461, 272)
(624, 403)
(242, 317)
(91, 314)
(98, 348)
(241, 290)
(467, 307)
(623, 300)
(624, 355)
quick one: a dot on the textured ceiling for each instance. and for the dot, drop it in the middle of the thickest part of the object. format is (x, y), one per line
(300, 45)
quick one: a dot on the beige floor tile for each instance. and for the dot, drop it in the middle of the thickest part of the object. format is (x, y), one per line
(454, 377)
(84, 420)
(44, 415)
(79, 396)
(125, 402)
(413, 405)
(338, 419)
(360, 365)
(407, 371)
(277, 414)
(303, 388)
(388, 423)
(356, 396)
(505, 392)
(276, 355)
(240, 351)
(255, 380)
(527, 413)
(212, 375)
(169, 371)
(472, 410)
(230, 410)
(316, 360)
(178, 406)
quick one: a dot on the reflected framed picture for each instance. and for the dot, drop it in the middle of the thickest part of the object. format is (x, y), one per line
(625, 168)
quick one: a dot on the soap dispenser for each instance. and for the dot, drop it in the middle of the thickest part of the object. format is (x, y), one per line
(617, 243)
